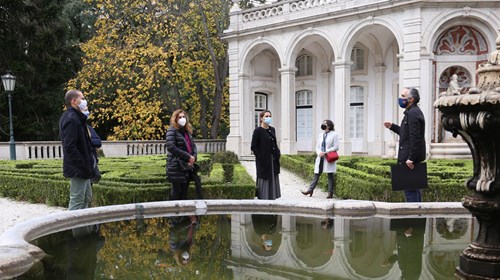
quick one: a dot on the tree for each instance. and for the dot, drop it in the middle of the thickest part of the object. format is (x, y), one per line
(40, 46)
(149, 58)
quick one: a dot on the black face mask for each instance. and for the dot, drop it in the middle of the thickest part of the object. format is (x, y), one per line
(323, 126)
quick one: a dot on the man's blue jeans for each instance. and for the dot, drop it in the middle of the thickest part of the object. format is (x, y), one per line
(80, 193)
(413, 196)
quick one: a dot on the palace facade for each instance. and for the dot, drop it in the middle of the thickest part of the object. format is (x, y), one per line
(347, 60)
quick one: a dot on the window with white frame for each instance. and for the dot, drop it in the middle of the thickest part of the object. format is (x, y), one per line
(304, 64)
(260, 105)
(304, 111)
(358, 59)
(356, 105)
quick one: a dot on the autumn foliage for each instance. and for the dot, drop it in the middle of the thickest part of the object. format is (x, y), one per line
(149, 58)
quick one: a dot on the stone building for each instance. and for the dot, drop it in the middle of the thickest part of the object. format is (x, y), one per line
(347, 60)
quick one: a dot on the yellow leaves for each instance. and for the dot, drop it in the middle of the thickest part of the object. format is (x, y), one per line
(144, 59)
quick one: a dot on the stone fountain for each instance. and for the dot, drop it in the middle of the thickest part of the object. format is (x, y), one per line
(476, 117)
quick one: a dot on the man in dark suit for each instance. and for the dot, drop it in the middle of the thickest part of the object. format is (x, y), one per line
(78, 160)
(411, 136)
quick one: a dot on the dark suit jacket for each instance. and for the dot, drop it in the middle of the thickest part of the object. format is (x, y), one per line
(264, 146)
(78, 159)
(411, 135)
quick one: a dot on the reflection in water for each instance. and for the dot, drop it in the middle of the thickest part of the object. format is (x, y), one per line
(246, 246)
(182, 232)
(410, 244)
(451, 228)
(265, 227)
(68, 256)
(82, 256)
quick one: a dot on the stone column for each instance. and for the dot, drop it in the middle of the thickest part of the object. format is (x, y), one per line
(377, 148)
(427, 96)
(287, 117)
(236, 86)
(341, 116)
(326, 97)
(476, 117)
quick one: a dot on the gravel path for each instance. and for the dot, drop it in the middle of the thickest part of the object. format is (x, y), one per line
(14, 212)
(290, 183)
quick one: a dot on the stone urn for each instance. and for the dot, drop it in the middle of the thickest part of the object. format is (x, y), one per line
(475, 116)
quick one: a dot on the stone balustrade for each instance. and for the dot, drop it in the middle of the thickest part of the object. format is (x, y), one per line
(313, 7)
(53, 149)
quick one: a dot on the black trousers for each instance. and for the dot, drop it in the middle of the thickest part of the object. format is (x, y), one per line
(331, 178)
(179, 190)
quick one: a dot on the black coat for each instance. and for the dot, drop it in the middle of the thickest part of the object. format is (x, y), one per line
(178, 155)
(77, 159)
(411, 135)
(263, 146)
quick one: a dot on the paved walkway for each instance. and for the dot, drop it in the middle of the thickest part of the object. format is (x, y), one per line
(290, 184)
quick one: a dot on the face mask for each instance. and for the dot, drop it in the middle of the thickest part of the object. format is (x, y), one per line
(268, 243)
(403, 102)
(82, 104)
(323, 126)
(86, 113)
(182, 121)
(267, 120)
(185, 256)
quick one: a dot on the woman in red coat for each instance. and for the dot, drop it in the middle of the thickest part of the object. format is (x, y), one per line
(267, 158)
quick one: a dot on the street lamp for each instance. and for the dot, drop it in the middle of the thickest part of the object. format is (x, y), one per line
(9, 82)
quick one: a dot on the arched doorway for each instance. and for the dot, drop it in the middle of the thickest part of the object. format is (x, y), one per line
(465, 79)
(459, 50)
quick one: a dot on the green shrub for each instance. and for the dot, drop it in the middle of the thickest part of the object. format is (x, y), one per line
(142, 178)
(368, 178)
(27, 165)
(124, 180)
(228, 159)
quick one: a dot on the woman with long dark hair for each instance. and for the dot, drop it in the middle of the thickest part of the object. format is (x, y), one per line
(267, 158)
(328, 141)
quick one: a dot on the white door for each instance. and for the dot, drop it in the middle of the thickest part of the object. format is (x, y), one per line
(304, 119)
(357, 119)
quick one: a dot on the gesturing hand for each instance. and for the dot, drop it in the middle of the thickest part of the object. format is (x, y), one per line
(410, 164)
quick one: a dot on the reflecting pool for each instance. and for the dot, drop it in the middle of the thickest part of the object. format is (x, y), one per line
(258, 246)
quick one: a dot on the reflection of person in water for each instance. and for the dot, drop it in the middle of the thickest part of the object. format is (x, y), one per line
(265, 227)
(82, 256)
(327, 223)
(451, 228)
(410, 244)
(182, 232)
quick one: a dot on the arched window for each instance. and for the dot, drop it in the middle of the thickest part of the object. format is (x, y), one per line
(304, 111)
(260, 105)
(358, 59)
(304, 65)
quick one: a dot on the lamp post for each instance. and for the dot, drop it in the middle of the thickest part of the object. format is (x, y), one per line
(9, 82)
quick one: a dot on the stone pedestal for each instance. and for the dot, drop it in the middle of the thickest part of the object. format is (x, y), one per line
(476, 117)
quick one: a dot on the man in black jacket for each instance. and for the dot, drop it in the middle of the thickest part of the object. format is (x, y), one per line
(411, 136)
(77, 160)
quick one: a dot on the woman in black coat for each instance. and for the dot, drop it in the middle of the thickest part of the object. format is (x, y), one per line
(181, 154)
(267, 158)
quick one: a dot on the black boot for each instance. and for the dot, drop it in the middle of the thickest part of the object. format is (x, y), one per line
(308, 192)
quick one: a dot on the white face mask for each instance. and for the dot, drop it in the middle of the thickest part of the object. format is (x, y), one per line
(82, 105)
(182, 121)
